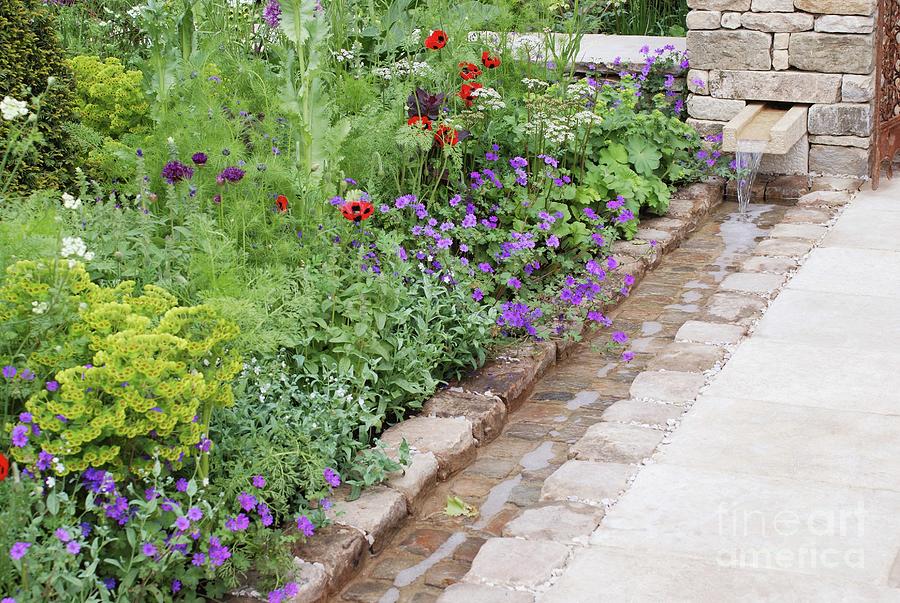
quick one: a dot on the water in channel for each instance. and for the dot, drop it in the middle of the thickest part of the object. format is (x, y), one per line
(749, 154)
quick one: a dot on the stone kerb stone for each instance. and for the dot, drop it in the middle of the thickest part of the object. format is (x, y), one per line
(740, 49)
(450, 440)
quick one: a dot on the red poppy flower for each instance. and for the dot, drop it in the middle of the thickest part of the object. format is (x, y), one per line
(488, 61)
(357, 211)
(419, 121)
(281, 202)
(469, 71)
(466, 90)
(437, 40)
(446, 135)
(4, 467)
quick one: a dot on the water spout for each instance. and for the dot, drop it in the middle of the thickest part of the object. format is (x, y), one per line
(747, 157)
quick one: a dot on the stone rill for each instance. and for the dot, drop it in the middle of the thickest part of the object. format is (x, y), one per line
(815, 53)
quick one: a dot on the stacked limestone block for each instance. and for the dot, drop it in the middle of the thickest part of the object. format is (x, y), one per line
(819, 53)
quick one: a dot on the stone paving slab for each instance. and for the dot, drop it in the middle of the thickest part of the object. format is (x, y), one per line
(810, 232)
(863, 229)
(710, 332)
(607, 574)
(763, 263)
(513, 562)
(807, 375)
(642, 413)
(477, 593)
(786, 248)
(855, 271)
(586, 481)
(687, 357)
(564, 523)
(667, 386)
(832, 320)
(795, 442)
(741, 519)
(752, 282)
(616, 443)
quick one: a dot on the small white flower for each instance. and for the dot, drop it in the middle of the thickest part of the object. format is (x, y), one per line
(39, 307)
(70, 202)
(12, 108)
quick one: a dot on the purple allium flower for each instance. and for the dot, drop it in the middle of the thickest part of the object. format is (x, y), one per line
(19, 436)
(9, 371)
(175, 171)
(619, 337)
(148, 549)
(183, 524)
(259, 481)
(199, 158)
(63, 534)
(305, 526)
(73, 548)
(52, 386)
(230, 174)
(332, 477)
(247, 501)
(18, 550)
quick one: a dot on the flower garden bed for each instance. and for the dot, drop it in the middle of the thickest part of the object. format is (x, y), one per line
(238, 245)
(457, 419)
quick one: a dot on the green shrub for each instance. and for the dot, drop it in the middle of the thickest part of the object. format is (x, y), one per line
(134, 376)
(29, 56)
(110, 99)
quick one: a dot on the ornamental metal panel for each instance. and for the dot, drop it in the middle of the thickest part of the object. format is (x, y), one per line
(887, 80)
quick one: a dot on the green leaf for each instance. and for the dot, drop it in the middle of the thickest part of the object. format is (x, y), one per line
(456, 507)
(643, 155)
(294, 15)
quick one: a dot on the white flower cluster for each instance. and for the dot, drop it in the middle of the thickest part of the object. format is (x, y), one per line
(343, 55)
(533, 84)
(70, 202)
(487, 98)
(12, 108)
(74, 247)
(39, 307)
(403, 68)
(554, 128)
(586, 118)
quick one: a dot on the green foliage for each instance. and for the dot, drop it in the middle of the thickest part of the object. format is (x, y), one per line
(109, 98)
(137, 376)
(31, 64)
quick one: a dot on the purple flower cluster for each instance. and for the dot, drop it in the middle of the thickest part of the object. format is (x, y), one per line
(272, 14)
(230, 174)
(518, 316)
(175, 171)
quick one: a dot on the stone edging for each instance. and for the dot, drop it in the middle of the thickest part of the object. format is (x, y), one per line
(457, 420)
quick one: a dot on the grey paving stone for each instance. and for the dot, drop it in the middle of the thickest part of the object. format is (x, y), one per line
(642, 413)
(516, 563)
(863, 229)
(687, 357)
(667, 386)
(710, 332)
(786, 248)
(853, 271)
(811, 232)
(472, 593)
(760, 263)
(736, 308)
(616, 443)
(752, 282)
(586, 481)
(558, 523)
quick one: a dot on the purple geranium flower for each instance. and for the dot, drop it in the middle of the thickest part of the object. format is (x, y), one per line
(18, 550)
(305, 526)
(332, 477)
(19, 436)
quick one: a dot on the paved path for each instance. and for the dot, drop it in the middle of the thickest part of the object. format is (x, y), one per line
(783, 481)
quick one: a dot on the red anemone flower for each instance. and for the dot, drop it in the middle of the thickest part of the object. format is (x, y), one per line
(488, 61)
(466, 90)
(419, 121)
(281, 202)
(446, 135)
(4, 467)
(437, 40)
(357, 211)
(469, 71)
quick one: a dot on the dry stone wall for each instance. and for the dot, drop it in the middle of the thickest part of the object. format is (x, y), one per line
(819, 53)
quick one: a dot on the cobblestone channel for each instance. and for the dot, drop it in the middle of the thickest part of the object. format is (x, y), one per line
(724, 273)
